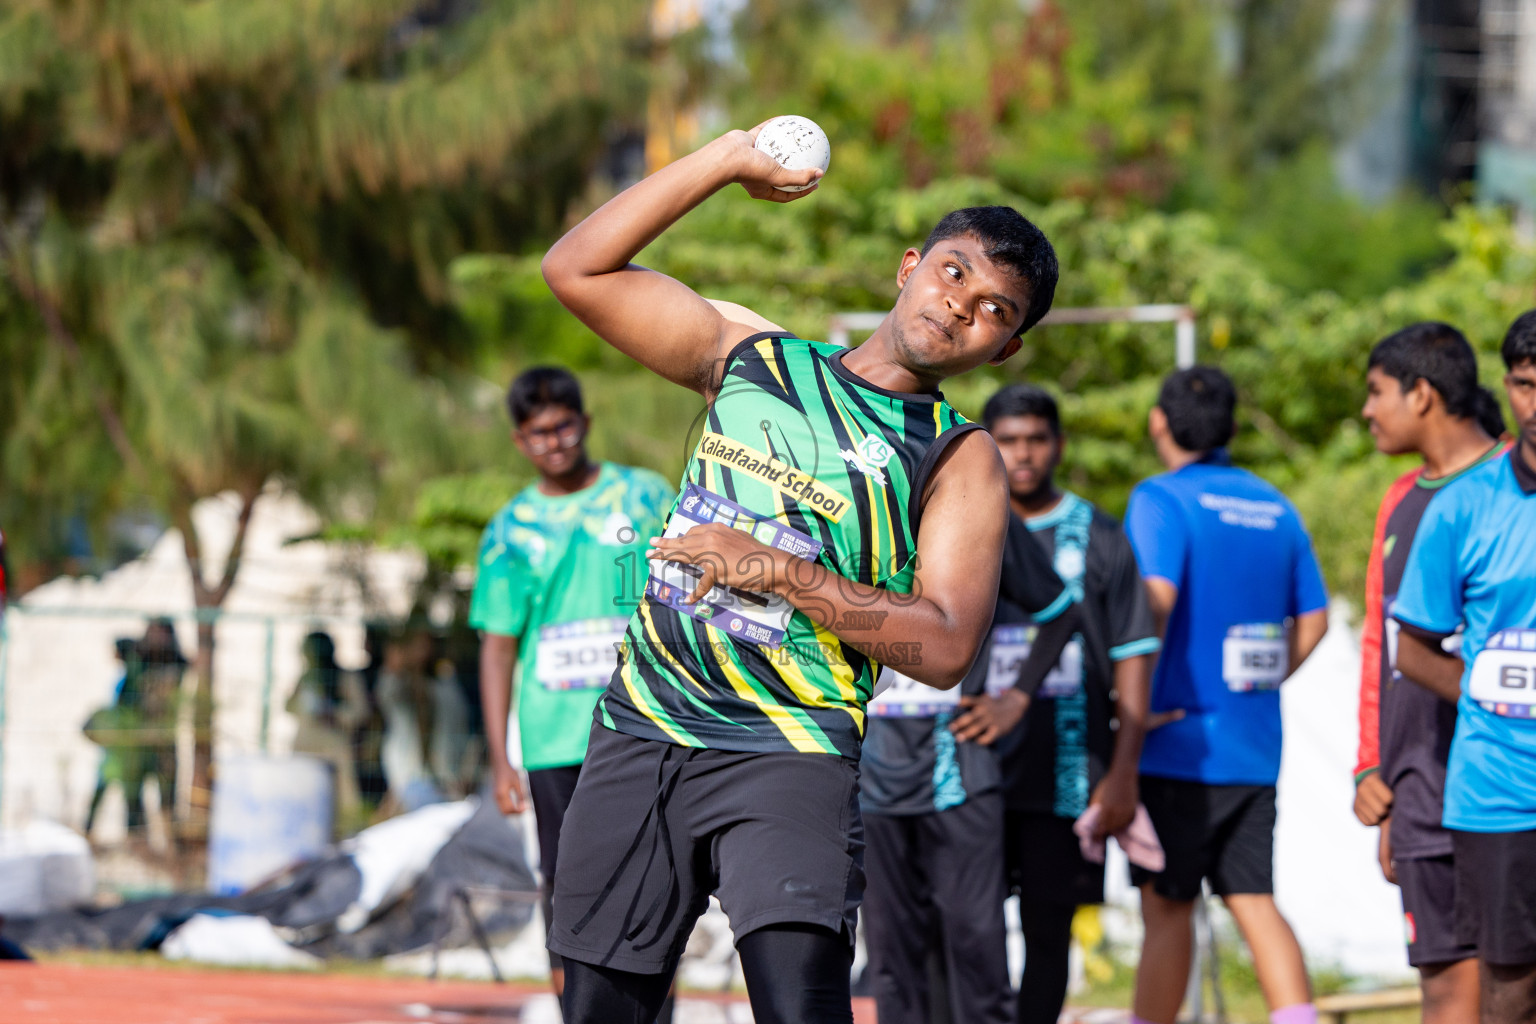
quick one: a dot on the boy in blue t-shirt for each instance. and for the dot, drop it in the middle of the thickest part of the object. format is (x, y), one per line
(1472, 567)
(1232, 579)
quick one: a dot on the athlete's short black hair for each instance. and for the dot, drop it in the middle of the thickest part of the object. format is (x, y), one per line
(1008, 239)
(1022, 400)
(1520, 340)
(1489, 413)
(1434, 352)
(1199, 403)
(543, 386)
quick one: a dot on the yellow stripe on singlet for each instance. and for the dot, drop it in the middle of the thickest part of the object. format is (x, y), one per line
(874, 527)
(765, 349)
(793, 730)
(642, 700)
(650, 630)
(799, 684)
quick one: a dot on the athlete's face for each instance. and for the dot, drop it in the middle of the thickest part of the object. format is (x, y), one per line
(1520, 383)
(1031, 452)
(1394, 415)
(957, 309)
(554, 440)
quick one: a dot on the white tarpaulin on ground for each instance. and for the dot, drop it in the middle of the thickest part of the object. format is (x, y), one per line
(43, 867)
(234, 941)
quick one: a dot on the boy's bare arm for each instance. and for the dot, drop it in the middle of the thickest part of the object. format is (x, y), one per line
(931, 634)
(660, 322)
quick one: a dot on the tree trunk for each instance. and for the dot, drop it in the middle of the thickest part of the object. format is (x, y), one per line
(195, 799)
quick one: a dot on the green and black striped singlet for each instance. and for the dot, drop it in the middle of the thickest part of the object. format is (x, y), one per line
(796, 438)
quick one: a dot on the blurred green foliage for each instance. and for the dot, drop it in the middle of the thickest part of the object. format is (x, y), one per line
(1298, 360)
(299, 240)
(225, 229)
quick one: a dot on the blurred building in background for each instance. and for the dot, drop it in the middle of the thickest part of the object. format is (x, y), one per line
(1506, 156)
(1452, 103)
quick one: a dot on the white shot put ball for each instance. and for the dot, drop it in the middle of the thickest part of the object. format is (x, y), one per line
(797, 143)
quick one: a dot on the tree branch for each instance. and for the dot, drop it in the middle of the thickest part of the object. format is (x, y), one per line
(237, 546)
(53, 322)
(204, 593)
(181, 517)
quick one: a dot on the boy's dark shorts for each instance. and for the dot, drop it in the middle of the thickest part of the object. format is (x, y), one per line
(1224, 833)
(1496, 895)
(1428, 886)
(653, 829)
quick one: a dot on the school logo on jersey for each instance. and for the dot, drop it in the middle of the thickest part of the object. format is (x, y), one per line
(869, 457)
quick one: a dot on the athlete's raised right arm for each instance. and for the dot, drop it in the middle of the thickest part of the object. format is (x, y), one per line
(658, 321)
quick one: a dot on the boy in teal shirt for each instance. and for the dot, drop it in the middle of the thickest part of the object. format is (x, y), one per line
(561, 569)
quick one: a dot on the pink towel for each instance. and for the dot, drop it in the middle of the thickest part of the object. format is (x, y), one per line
(1138, 839)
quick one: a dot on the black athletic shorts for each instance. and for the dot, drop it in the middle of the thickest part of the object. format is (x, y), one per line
(653, 829)
(550, 790)
(1428, 886)
(1496, 895)
(1045, 861)
(1224, 833)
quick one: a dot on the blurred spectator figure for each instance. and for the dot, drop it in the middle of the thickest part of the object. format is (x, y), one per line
(368, 737)
(329, 704)
(426, 724)
(161, 668)
(116, 729)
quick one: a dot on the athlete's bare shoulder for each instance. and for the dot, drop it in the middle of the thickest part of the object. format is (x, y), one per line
(970, 467)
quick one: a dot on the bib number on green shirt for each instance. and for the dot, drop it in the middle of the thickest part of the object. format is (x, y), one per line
(1254, 657)
(1504, 674)
(578, 655)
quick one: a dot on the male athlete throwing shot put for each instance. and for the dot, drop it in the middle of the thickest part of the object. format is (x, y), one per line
(837, 515)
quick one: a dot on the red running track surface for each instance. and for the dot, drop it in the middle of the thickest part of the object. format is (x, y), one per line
(68, 994)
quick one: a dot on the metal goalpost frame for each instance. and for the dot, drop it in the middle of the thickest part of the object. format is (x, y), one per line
(841, 325)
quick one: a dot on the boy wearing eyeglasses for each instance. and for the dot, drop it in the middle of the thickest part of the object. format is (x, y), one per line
(561, 569)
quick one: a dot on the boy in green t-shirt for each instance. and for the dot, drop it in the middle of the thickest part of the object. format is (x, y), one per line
(561, 569)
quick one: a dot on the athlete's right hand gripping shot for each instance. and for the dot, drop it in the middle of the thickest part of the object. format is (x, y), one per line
(836, 516)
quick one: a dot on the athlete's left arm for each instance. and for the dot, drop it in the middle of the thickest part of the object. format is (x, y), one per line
(1306, 633)
(931, 634)
(1421, 658)
(1118, 793)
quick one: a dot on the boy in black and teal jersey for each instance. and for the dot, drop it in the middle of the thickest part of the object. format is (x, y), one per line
(1080, 741)
(837, 516)
(932, 804)
(559, 575)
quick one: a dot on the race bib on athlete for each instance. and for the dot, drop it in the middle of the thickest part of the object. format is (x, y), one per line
(1011, 646)
(758, 618)
(1254, 657)
(578, 655)
(1504, 674)
(901, 696)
